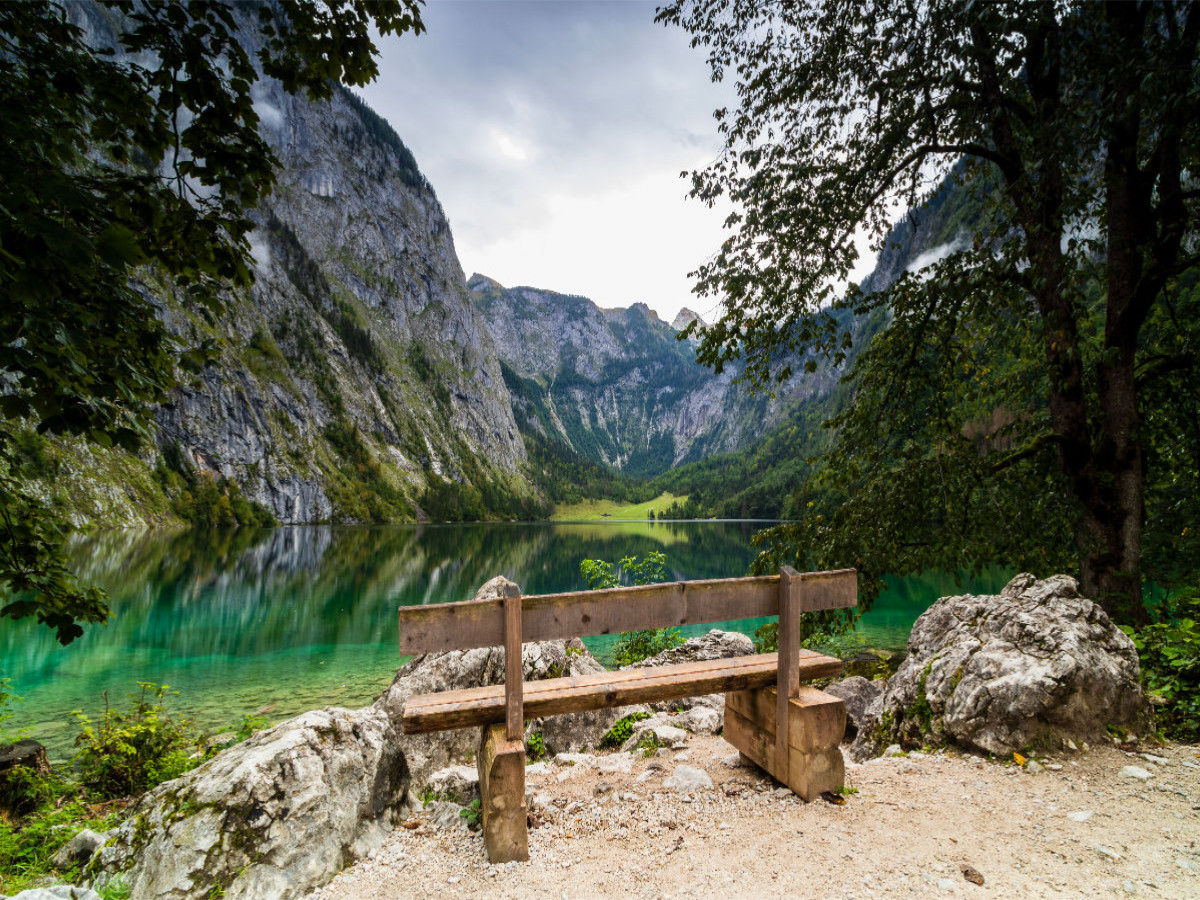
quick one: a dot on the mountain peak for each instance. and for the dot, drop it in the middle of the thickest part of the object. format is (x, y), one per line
(479, 282)
(685, 318)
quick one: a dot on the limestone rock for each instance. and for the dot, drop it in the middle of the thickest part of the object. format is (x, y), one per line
(716, 644)
(57, 892)
(688, 779)
(858, 693)
(995, 674)
(273, 817)
(79, 849)
(457, 783)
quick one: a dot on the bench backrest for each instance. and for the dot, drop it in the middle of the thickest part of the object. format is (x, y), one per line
(545, 617)
(512, 620)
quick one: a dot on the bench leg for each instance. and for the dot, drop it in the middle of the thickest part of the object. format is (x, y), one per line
(502, 796)
(816, 724)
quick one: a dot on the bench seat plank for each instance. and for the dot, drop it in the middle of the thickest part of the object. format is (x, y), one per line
(425, 713)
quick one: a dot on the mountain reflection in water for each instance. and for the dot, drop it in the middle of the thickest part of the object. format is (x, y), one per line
(303, 617)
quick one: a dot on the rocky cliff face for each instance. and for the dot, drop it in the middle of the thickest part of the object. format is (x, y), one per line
(357, 368)
(616, 385)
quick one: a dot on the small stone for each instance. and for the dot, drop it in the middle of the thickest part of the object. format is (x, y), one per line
(733, 761)
(893, 750)
(1070, 745)
(1107, 853)
(1187, 865)
(908, 768)
(972, 875)
(947, 884)
(1129, 887)
(1033, 767)
(1157, 760)
(1055, 767)
(1135, 772)
(79, 849)
(454, 879)
(602, 788)
(686, 779)
(1080, 815)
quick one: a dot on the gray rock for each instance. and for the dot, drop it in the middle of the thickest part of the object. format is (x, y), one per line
(272, 817)
(57, 892)
(445, 815)
(1135, 772)
(1081, 815)
(79, 849)
(716, 644)
(858, 693)
(1107, 853)
(688, 779)
(457, 783)
(995, 674)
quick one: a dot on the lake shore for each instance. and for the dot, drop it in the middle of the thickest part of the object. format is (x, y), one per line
(913, 827)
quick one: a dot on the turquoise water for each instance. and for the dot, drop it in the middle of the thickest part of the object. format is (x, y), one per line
(291, 619)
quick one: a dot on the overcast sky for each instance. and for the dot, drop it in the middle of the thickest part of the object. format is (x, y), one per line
(554, 134)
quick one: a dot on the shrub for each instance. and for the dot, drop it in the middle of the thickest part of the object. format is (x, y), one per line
(622, 730)
(128, 753)
(1169, 650)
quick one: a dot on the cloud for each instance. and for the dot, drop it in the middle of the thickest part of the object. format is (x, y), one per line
(554, 134)
(936, 255)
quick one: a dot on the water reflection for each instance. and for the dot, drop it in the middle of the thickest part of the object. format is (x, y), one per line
(297, 618)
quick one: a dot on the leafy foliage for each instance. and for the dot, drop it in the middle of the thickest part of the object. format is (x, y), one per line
(633, 646)
(128, 752)
(622, 730)
(996, 413)
(1169, 651)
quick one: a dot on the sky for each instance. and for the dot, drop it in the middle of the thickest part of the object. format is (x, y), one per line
(554, 134)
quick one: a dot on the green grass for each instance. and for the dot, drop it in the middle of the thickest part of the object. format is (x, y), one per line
(599, 509)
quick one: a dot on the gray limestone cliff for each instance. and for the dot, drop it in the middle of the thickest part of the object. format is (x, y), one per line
(356, 370)
(617, 386)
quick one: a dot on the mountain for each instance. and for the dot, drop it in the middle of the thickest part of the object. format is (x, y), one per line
(616, 385)
(355, 374)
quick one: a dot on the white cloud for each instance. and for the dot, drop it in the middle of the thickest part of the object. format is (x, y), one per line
(936, 255)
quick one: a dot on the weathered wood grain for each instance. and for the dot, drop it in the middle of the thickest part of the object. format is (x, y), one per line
(514, 674)
(480, 623)
(501, 765)
(426, 713)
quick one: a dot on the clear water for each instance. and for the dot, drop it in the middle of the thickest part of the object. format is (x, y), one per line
(291, 619)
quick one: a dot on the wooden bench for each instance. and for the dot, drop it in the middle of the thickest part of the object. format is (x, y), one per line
(760, 691)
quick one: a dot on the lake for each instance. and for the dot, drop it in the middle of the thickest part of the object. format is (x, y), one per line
(303, 617)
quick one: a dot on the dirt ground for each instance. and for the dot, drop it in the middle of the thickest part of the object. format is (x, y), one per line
(1077, 828)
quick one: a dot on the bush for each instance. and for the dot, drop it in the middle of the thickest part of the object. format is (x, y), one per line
(622, 730)
(28, 845)
(633, 646)
(1169, 650)
(128, 753)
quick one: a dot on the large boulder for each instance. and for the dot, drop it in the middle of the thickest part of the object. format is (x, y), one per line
(1033, 666)
(858, 694)
(273, 817)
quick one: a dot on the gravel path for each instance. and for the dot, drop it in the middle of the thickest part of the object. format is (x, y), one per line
(1077, 828)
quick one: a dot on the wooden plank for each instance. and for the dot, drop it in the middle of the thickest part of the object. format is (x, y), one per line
(501, 765)
(480, 623)
(555, 696)
(809, 771)
(815, 719)
(756, 743)
(837, 589)
(514, 674)
(791, 595)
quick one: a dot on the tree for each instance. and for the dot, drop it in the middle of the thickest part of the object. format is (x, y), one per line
(1023, 358)
(121, 165)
